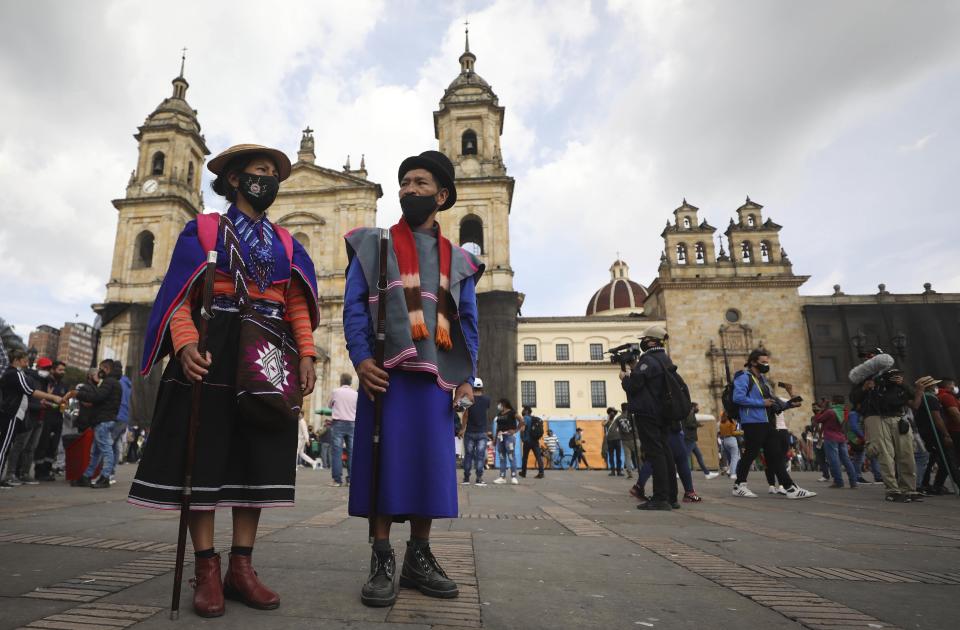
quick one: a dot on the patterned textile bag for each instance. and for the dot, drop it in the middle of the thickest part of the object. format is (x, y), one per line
(268, 388)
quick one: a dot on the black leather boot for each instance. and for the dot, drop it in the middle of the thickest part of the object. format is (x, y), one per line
(422, 572)
(380, 589)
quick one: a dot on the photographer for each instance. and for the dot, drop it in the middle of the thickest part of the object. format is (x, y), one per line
(881, 398)
(758, 411)
(644, 383)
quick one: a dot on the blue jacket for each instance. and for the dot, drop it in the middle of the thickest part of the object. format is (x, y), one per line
(749, 398)
(126, 386)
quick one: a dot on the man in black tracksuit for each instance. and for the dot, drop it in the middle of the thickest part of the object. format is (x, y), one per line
(644, 384)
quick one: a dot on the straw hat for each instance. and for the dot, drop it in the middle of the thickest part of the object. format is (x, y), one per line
(926, 381)
(217, 164)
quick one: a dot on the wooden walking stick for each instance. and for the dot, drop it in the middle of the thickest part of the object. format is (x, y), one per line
(379, 348)
(206, 314)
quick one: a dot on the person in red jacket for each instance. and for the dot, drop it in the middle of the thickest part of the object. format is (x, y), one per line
(835, 443)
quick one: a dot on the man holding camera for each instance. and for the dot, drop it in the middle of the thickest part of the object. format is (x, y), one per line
(644, 383)
(758, 411)
(881, 398)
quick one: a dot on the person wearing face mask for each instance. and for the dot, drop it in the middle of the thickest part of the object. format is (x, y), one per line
(240, 464)
(758, 409)
(644, 383)
(430, 360)
(106, 404)
(46, 451)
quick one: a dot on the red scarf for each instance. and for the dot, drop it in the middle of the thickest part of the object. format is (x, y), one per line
(406, 251)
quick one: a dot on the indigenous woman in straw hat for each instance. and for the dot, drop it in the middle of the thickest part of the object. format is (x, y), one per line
(242, 463)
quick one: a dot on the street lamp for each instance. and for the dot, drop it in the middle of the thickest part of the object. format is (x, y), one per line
(859, 341)
(899, 343)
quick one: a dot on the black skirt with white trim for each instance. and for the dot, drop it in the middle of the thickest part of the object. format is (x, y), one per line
(238, 463)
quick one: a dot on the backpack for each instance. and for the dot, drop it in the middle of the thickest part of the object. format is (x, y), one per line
(731, 408)
(573, 442)
(855, 441)
(676, 404)
(536, 429)
(626, 427)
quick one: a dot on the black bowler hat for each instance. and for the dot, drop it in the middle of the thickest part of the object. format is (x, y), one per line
(438, 164)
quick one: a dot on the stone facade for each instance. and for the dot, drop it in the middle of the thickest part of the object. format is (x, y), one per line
(722, 305)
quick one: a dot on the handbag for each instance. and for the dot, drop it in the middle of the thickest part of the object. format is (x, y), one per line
(268, 361)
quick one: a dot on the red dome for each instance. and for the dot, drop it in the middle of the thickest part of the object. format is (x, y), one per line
(621, 293)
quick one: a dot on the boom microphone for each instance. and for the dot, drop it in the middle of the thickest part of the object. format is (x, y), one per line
(871, 367)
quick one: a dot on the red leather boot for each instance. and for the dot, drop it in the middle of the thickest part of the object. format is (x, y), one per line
(242, 584)
(208, 587)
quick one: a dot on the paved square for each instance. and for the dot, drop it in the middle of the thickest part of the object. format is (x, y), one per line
(567, 551)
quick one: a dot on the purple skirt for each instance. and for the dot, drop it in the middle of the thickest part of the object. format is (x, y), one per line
(418, 474)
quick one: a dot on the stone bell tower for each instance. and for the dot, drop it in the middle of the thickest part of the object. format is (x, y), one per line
(162, 195)
(719, 306)
(468, 125)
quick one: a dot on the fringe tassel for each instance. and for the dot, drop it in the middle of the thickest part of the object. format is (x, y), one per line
(419, 331)
(443, 339)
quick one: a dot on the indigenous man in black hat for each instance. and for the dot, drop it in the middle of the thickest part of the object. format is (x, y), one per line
(429, 363)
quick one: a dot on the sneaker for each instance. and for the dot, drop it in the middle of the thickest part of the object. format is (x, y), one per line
(29, 482)
(422, 571)
(777, 490)
(823, 479)
(481, 483)
(915, 497)
(796, 492)
(514, 481)
(539, 475)
(380, 589)
(500, 480)
(691, 497)
(741, 490)
(862, 480)
(465, 482)
(6, 485)
(14, 482)
(835, 485)
(637, 494)
(336, 484)
(712, 475)
(112, 480)
(897, 497)
(102, 482)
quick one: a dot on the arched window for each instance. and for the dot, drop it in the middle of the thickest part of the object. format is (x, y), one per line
(156, 167)
(471, 234)
(701, 253)
(303, 239)
(681, 254)
(764, 251)
(751, 220)
(686, 223)
(143, 250)
(190, 174)
(746, 253)
(468, 143)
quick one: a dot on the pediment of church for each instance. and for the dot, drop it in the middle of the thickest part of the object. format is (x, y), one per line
(313, 178)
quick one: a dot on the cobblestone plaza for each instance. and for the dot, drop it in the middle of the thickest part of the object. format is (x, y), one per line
(568, 551)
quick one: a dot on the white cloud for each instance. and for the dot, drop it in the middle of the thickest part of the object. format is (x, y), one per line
(919, 144)
(613, 113)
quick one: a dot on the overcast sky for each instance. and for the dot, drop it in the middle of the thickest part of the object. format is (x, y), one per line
(839, 117)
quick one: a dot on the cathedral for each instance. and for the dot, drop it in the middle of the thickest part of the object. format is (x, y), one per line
(318, 205)
(717, 303)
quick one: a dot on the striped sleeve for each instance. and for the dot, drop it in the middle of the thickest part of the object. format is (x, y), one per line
(298, 314)
(24, 383)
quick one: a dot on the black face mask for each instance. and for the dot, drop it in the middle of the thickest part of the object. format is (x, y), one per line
(101, 375)
(764, 368)
(417, 209)
(259, 190)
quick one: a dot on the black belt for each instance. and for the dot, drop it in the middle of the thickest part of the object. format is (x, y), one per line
(268, 308)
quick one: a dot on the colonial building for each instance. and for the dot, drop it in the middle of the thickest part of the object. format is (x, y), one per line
(719, 306)
(318, 205)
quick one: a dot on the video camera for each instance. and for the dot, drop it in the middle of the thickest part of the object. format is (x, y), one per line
(625, 354)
